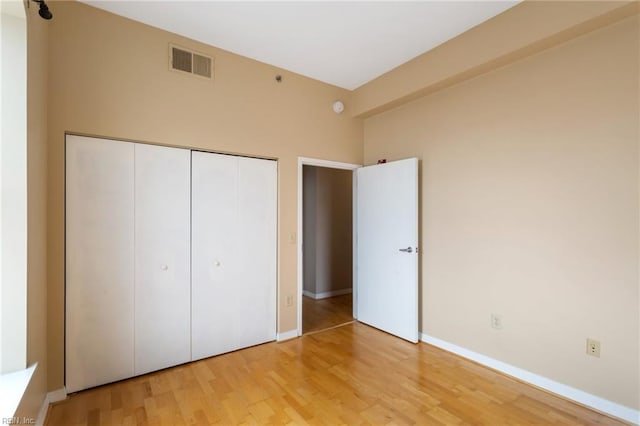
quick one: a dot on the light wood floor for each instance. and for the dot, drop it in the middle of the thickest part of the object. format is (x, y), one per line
(352, 374)
(326, 313)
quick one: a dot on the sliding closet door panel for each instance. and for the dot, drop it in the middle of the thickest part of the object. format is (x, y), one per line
(99, 262)
(214, 207)
(256, 291)
(233, 253)
(162, 260)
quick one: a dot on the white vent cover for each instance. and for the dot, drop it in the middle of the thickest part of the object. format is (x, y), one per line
(190, 62)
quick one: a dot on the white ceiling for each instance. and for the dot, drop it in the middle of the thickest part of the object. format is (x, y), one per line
(344, 43)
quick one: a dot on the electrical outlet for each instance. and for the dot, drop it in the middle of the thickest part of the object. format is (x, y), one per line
(593, 348)
(289, 300)
(496, 322)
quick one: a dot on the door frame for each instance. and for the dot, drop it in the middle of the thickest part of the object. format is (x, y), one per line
(305, 161)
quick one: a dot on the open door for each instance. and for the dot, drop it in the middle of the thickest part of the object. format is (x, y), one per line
(387, 247)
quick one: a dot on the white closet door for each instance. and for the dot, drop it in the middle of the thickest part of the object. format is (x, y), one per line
(214, 222)
(162, 261)
(257, 211)
(233, 253)
(99, 262)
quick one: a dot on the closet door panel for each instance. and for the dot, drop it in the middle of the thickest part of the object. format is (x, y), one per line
(162, 257)
(214, 207)
(99, 332)
(234, 216)
(256, 282)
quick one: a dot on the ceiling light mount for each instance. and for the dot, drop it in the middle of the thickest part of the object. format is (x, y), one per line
(44, 11)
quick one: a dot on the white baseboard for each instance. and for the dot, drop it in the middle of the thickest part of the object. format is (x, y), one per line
(287, 335)
(327, 294)
(568, 392)
(51, 397)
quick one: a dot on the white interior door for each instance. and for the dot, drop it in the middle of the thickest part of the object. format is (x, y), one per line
(233, 253)
(162, 257)
(99, 262)
(387, 245)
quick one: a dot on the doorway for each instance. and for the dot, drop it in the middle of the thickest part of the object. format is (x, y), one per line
(325, 244)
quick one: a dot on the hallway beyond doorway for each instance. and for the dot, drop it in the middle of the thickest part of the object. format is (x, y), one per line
(320, 314)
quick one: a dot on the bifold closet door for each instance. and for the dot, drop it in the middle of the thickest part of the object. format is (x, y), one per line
(233, 255)
(99, 262)
(162, 257)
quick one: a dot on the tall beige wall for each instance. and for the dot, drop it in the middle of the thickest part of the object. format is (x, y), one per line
(328, 231)
(529, 209)
(37, 48)
(108, 76)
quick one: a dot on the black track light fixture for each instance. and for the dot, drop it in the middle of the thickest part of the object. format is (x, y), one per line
(44, 11)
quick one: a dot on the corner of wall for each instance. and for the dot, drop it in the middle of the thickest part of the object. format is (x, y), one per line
(37, 126)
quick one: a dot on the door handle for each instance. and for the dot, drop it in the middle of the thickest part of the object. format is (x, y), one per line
(407, 250)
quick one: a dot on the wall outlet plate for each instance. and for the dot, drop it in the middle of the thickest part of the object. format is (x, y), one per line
(593, 348)
(496, 322)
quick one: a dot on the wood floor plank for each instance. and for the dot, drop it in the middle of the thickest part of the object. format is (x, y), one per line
(353, 374)
(321, 314)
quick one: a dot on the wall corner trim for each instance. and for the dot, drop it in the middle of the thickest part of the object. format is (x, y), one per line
(50, 398)
(287, 335)
(592, 401)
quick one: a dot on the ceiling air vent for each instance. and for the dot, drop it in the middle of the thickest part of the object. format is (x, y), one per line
(193, 63)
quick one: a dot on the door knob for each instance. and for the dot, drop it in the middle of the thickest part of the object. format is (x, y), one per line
(164, 267)
(407, 250)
